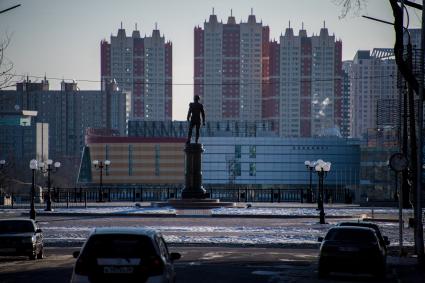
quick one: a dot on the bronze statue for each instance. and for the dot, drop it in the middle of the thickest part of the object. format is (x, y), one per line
(196, 109)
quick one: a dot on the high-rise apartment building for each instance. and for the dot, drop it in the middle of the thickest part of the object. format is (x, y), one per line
(310, 78)
(296, 83)
(142, 67)
(231, 64)
(373, 78)
(345, 103)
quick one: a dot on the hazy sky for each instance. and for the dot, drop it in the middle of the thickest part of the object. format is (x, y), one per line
(62, 38)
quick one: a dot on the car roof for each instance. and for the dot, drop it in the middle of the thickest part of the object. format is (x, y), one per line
(125, 231)
(362, 224)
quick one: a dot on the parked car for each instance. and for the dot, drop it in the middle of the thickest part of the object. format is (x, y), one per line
(383, 240)
(21, 237)
(124, 255)
(351, 249)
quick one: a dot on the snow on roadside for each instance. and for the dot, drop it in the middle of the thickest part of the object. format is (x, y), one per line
(304, 232)
(343, 212)
(100, 210)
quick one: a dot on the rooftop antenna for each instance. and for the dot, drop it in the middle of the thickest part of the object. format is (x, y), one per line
(289, 24)
(213, 10)
(231, 12)
(302, 25)
(121, 25)
(324, 24)
(252, 11)
(156, 25)
(135, 26)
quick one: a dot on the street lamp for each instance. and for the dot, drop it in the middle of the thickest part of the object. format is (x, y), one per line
(2, 163)
(322, 168)
(33, 167)
(310, 166)
(49, 167)
(100, 165)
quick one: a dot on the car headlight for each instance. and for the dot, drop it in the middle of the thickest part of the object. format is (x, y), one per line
(29, 240)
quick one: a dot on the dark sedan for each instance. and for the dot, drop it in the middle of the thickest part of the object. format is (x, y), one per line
(21, 237)
(351, 249)
(383, 240)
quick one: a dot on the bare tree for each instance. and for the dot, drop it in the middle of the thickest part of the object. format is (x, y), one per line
(6, 66)
(350, 6)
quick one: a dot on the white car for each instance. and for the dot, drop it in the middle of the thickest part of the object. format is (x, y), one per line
(120, 254)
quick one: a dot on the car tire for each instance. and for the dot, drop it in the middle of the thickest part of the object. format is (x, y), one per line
(40, 254)
(323, 272)
(381, 272)
(33, 256)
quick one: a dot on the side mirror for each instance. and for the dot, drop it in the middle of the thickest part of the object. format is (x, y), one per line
(38, 230)
(76, 254)
(386, 240)
(175, 256)
(320, 239)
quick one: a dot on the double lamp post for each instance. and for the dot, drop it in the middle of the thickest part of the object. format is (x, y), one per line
(322, 168)
(100, 165)
(46, 167)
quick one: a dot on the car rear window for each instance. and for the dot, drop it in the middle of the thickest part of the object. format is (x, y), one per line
(374, 227)
(118, 246)
(18, 226)
(354, 235)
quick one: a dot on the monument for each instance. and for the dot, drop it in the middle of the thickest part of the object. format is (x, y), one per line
(193, 154)
(193, 194)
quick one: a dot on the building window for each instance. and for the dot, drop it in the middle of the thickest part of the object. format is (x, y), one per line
(238, 151)
(157, 156)
(252, 151)
(252, 169)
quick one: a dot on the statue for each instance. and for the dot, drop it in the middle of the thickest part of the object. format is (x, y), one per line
(196, 109)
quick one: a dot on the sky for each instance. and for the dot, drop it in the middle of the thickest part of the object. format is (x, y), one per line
(62, 38)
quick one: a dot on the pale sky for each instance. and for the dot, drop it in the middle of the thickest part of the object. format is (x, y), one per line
(62, 38)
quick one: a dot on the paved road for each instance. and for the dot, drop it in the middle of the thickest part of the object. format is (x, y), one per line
(198, 264)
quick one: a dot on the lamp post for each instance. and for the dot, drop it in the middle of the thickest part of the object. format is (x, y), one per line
(310, 166)
(33, 167)
(2, 163)
(322, 168)
(49, 167)
(100, 165)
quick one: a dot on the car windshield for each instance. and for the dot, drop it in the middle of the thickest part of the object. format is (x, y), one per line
(352, 235)
(119, 246)
(19, 226)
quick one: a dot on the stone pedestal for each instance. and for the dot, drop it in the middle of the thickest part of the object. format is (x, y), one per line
(194, 195)
(193, 172)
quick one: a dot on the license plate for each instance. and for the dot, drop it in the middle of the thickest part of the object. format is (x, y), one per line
(117, 269)
(7, 250)
(348, 249)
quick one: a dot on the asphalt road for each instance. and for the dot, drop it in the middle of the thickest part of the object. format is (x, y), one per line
(198, 264)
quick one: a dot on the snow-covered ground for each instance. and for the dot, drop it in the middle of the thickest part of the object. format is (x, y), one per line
(287, 232)
(303, 232)
(342, 212)
(100, 210)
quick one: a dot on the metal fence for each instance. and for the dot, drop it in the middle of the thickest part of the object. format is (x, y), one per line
(81, 197)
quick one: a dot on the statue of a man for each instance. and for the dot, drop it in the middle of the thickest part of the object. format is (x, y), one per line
(196, 109)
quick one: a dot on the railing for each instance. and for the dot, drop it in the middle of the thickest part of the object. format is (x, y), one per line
(80, 197)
